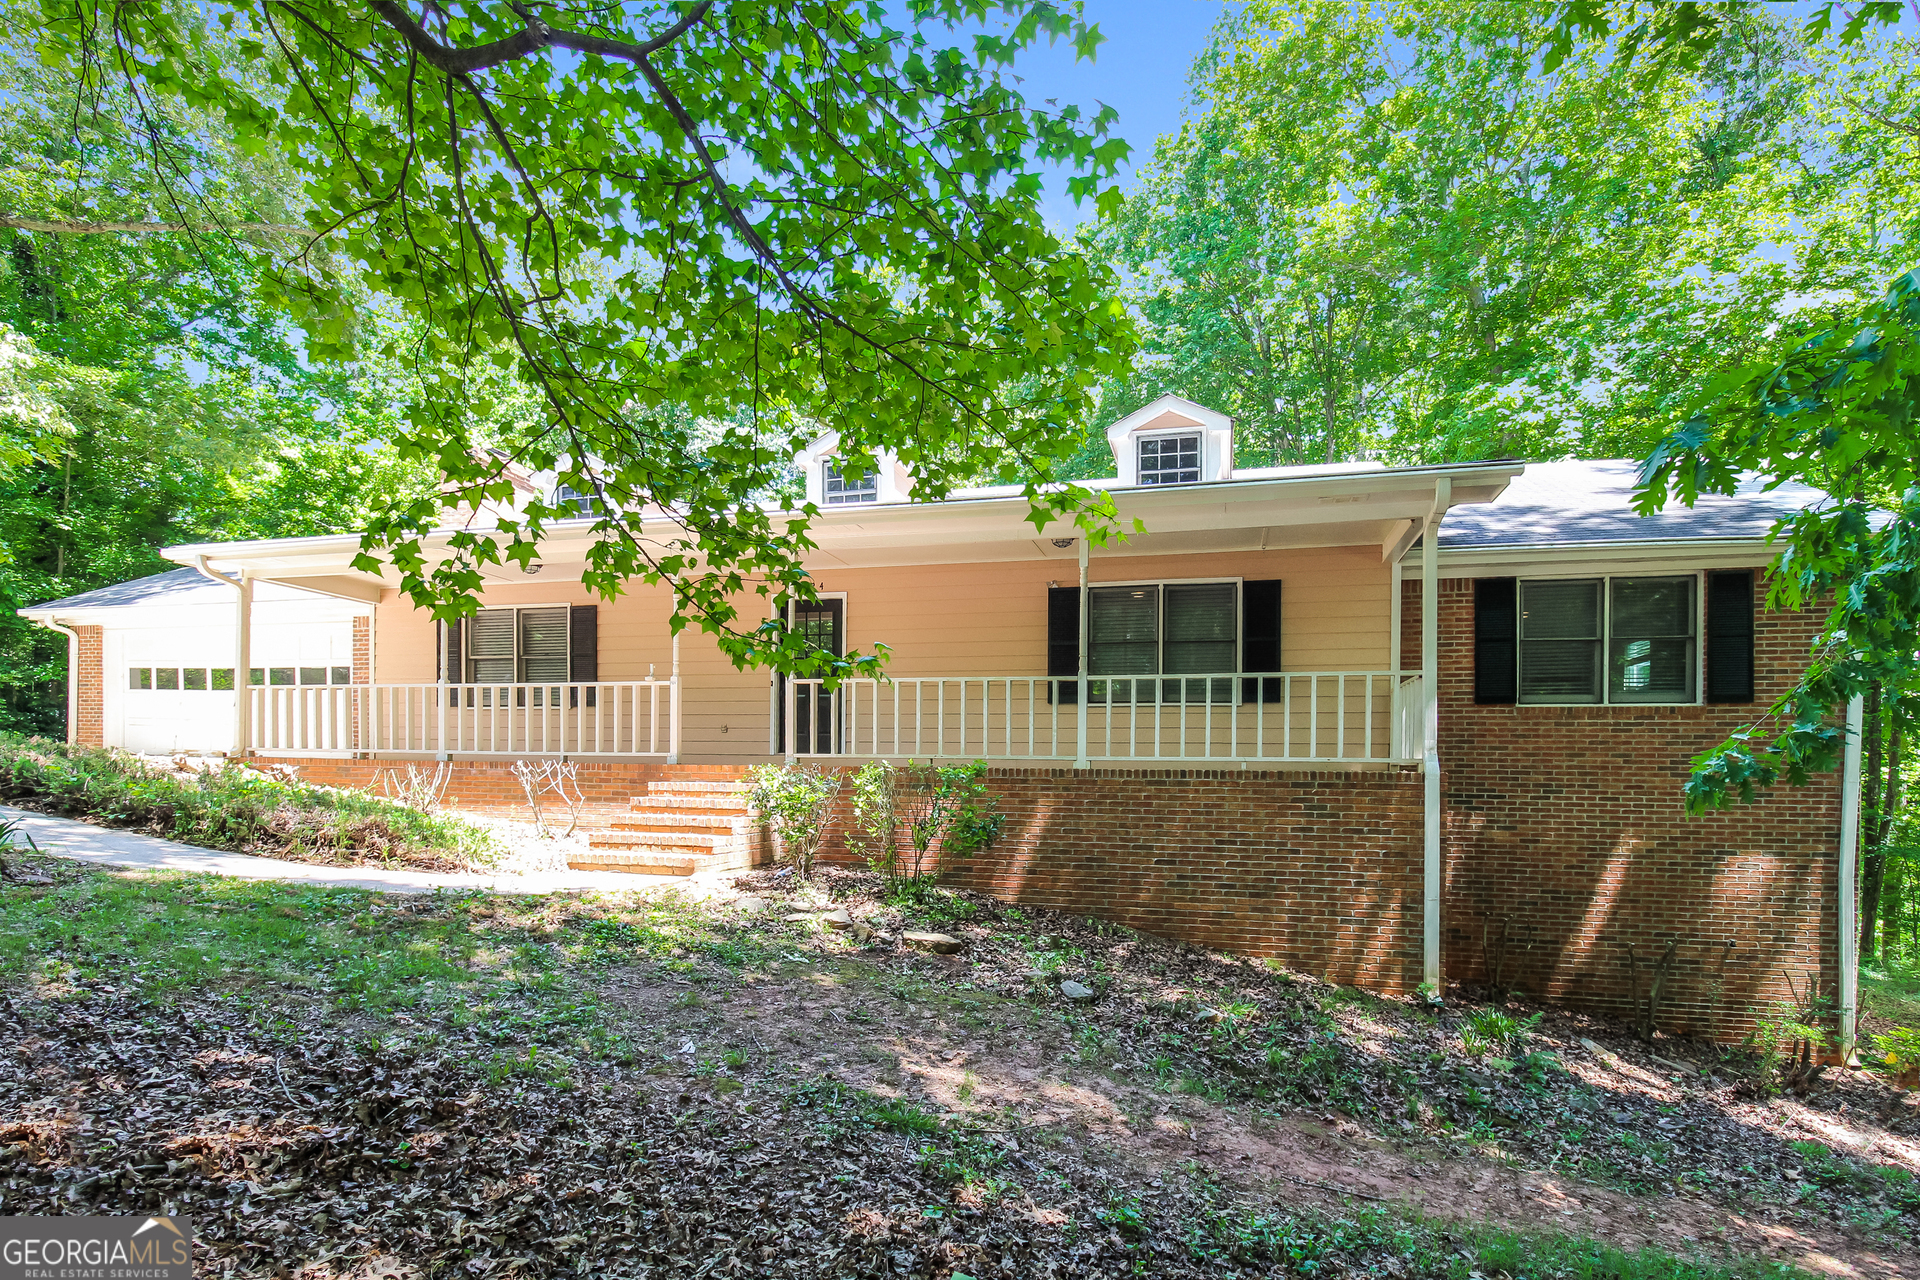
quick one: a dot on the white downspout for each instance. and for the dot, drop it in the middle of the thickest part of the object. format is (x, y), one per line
(73, 679)
(242, 654)
(1084, 687)
(1431, 979)
(1849, 859)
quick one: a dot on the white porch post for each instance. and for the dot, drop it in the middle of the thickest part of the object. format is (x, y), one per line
(1083, 698)
(446, 654)
(1430, 693)
(673, 705)
(243, 669)
(1849, 859)
(242, 651)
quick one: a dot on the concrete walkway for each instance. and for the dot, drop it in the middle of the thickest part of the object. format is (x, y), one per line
(103, 846)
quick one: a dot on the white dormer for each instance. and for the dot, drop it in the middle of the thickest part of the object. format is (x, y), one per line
(1172, 441)
(831, 485)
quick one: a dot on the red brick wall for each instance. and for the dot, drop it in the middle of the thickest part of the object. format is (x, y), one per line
(1565, 829)
(363, 650)
(89, 706)
(490, 787)
(1319, 870)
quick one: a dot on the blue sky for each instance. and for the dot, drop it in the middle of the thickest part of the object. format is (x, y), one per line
(1141, 71)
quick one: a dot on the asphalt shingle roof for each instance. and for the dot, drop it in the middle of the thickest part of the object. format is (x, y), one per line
(1561, 502)
(177, 586)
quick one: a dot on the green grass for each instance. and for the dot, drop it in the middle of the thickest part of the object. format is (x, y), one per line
(1309, 1244)
(465, 961)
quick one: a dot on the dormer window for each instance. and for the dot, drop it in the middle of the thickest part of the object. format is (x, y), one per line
(583, 504)
(843, 491)
(1170, 459)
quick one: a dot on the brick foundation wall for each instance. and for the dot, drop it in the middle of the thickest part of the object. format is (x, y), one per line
(89, 727)
(1320, 870)
(1566, 833)
(490, 787)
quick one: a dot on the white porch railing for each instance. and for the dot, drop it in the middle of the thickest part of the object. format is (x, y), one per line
(1332, 717)
(611, 718)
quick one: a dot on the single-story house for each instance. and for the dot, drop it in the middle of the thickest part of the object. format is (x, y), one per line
(1400, 726)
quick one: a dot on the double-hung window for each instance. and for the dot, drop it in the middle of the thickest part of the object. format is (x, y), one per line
(1608, 640)
(844, 490)
(1159, 630)
(518, 646)
(1170, 459)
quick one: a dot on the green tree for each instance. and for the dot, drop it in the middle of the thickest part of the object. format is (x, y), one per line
(1385, 230)
(146, 395)
(665, 214)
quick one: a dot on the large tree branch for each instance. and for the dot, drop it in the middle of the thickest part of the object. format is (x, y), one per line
(537, 36)
(62, 226)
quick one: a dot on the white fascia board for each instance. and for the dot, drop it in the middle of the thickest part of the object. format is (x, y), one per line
(1679, 555)
(1301, 501)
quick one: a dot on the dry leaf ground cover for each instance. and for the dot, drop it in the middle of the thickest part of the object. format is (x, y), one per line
(334, 1083)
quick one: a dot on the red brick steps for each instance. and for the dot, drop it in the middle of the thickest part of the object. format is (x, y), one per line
(676, 829)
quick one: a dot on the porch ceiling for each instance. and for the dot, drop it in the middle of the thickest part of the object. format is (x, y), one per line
(1354, 509)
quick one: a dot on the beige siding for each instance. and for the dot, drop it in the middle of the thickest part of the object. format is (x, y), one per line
(949, 619)
(991, 619)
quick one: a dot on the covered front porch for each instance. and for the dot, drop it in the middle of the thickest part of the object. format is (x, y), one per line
(1004, 644)
(1225, 719)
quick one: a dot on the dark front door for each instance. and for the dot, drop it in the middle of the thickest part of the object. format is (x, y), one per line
(816, 718)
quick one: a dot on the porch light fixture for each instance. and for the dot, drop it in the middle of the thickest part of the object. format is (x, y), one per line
(532, 567)
(1063, 543)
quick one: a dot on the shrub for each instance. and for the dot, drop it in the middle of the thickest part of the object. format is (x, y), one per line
(235, 807)
(797, 802)
(937, 812)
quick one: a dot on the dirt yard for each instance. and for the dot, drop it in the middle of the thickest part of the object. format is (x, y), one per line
(336, 1084)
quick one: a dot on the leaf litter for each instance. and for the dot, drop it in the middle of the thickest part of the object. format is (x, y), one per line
(1154, 1134)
